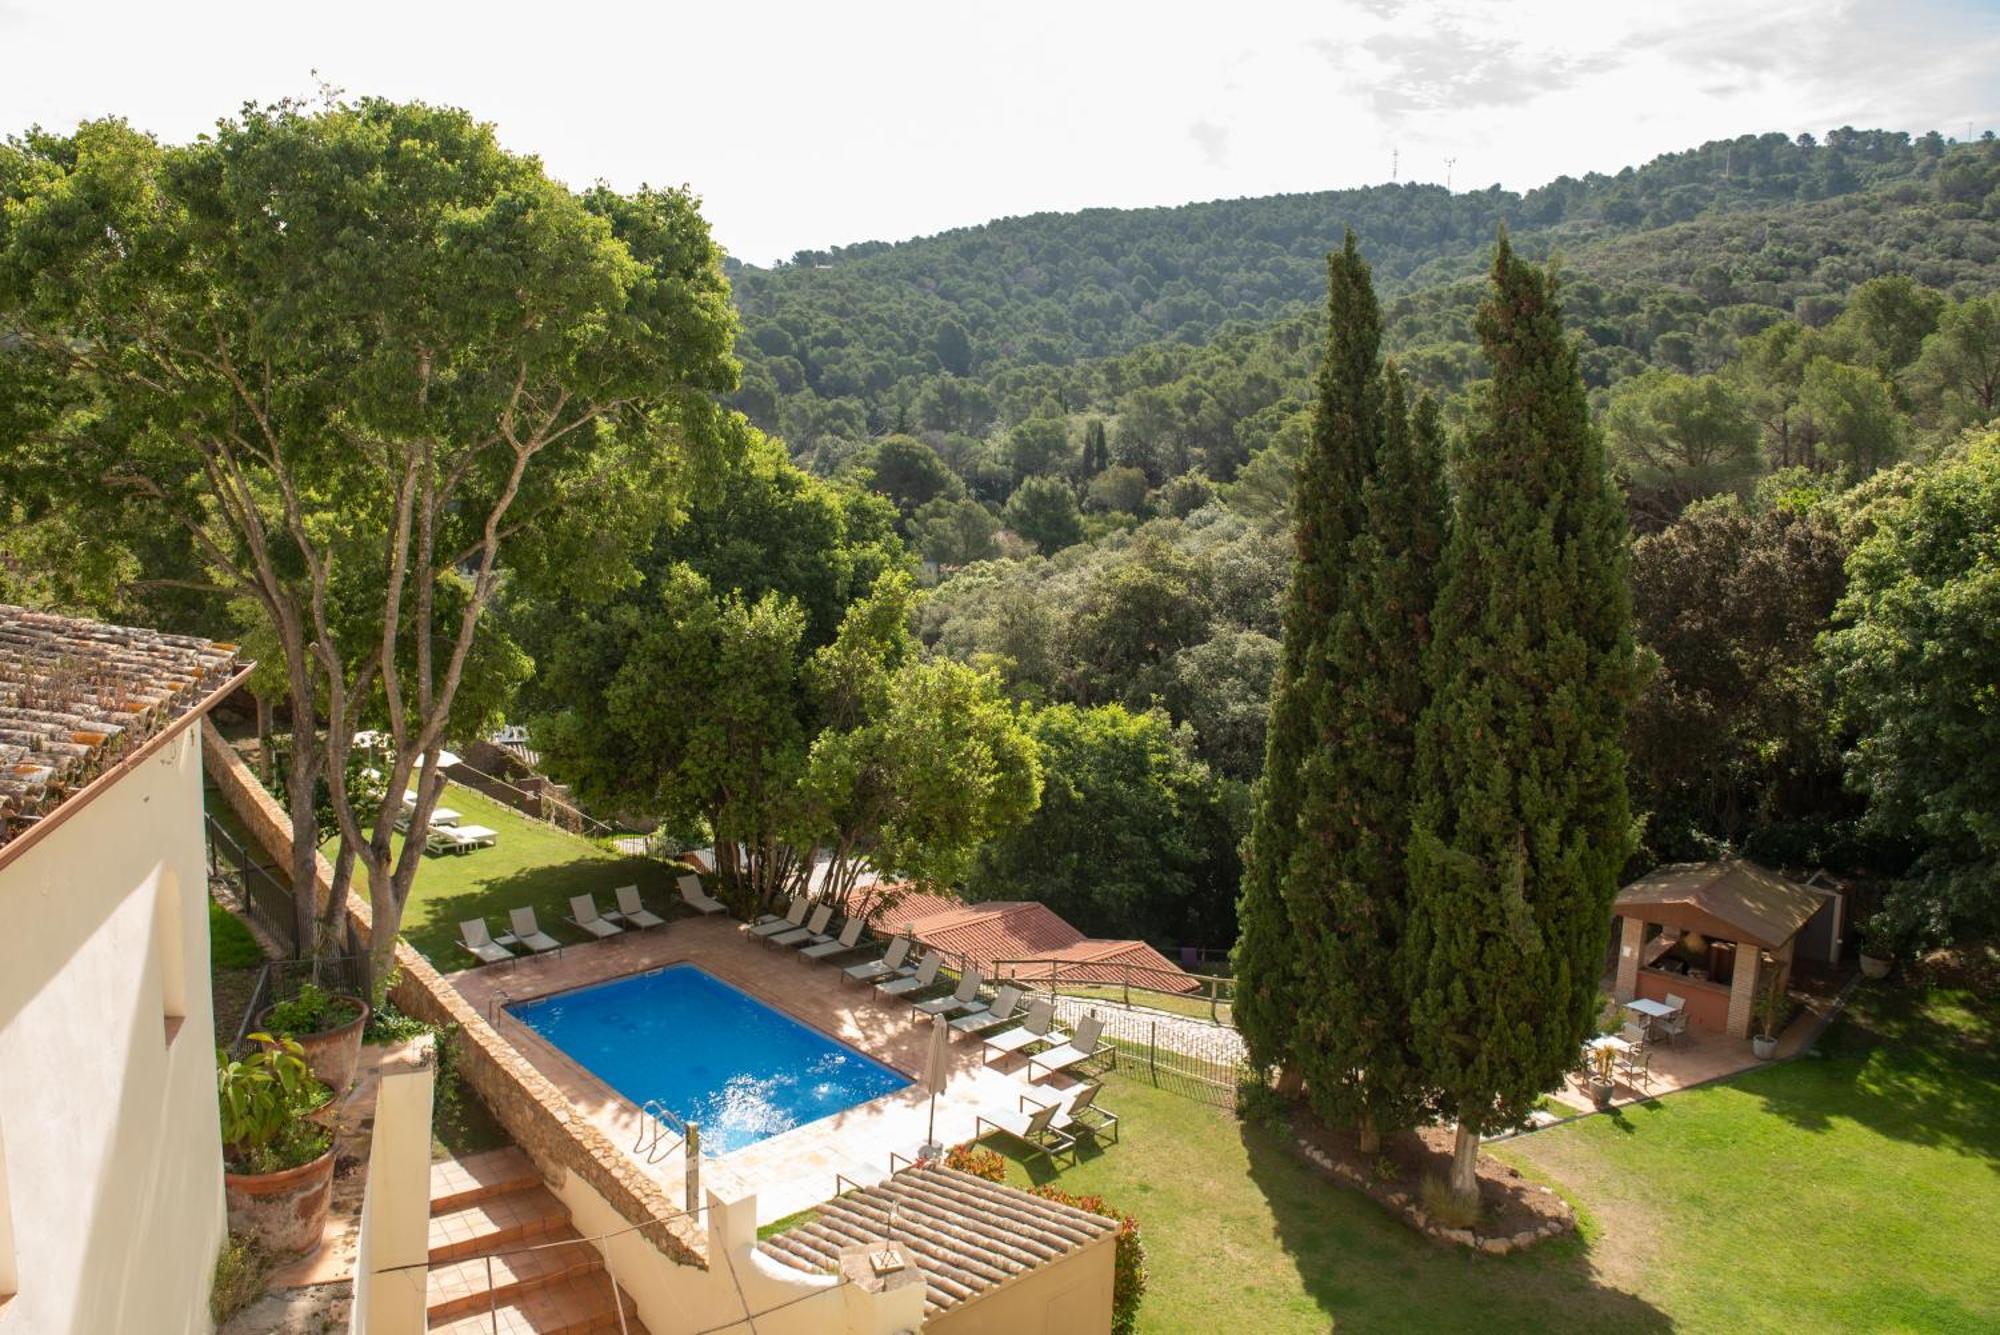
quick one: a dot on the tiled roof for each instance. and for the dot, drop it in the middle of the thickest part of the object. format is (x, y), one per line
(1018, 929)
(76, 696)
(966, 1234)
(1755, 903)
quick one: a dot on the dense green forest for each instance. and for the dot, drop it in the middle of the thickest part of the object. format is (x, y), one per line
(993, 566)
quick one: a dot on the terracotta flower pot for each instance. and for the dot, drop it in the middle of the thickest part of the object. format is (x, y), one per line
(331, 1053)
(285, 1211)
(1874, 966)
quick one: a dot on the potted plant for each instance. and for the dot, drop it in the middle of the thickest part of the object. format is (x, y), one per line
(1878, 943)
(1602, 1085)
(1770, 1012)
(327, 1027)
(277, 1162)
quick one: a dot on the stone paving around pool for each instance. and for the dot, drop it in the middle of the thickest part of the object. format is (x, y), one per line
(796, 1169)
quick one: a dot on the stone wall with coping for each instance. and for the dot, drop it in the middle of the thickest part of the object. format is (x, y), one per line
(533, 1112)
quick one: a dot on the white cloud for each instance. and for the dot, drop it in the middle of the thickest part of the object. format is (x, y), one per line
(807, 125)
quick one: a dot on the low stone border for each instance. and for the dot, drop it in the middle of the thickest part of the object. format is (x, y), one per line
(1401, 1203)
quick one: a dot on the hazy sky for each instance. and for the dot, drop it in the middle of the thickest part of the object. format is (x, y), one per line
(814, 124)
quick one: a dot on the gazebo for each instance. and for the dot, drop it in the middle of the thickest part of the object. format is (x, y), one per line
(1712, 933)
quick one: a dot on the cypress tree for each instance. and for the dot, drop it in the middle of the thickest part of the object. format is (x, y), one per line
(1357, 1058)
(1285, 872)
(1522, 821)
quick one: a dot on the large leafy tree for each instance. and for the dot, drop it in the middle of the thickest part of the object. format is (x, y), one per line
(1729, 739)
(1915, 659)
(355, 353)
(1287, 871)
(1522, 822)
(1122, 842)
(1677, 438)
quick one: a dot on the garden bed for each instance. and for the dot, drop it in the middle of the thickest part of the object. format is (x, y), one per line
(1514, 1213)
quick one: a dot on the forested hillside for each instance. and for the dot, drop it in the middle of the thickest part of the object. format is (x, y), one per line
(969, 331)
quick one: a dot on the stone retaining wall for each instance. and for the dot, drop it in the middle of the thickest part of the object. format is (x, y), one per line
(534, 1112)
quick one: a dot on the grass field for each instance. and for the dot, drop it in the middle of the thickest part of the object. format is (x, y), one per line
(532, 863)
(1853, 1191)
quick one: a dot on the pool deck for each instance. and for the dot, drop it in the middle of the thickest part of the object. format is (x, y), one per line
(795, 1170)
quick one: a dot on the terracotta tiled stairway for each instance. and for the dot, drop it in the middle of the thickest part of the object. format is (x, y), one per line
(493, 1203)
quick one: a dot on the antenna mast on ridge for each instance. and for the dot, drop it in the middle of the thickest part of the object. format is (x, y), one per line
(1395, 163)
(1449, 163)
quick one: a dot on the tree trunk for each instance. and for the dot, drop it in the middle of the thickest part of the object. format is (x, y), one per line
(302, 777)
(1465, 1163)
(266, 772)
(1371, 1135)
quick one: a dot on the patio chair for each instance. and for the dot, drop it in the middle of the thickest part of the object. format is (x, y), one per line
(966, 995)
(1634, 1032)
(527, 932)
(1081, 1048)
(1673, 1026)
(583, 912)
(475, 938)
(771, 925)
(986, 1014)
(812, 934)
(1035, 1029)
(1077, 1110)
(633, 910)
(850, 936)
(890, 965)
(925, 975)
(1033, 1129)
(697, 898)
(459, 838)
(1636, 1064)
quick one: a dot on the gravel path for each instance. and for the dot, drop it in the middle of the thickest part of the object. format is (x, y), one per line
(1216, 1044)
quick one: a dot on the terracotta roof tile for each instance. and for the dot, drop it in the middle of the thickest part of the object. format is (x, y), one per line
(76, 696)
(966, 1234)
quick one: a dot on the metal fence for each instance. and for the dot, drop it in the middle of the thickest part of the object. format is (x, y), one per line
(264, 896)
(282, 980)
(1164, 1025)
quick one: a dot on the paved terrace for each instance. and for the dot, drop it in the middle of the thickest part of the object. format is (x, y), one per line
(794, 1170)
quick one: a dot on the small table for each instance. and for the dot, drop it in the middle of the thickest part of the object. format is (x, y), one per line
(1612, 1041)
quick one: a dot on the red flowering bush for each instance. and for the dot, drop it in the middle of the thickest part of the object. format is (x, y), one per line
(969, 1158)
(1129, 1264)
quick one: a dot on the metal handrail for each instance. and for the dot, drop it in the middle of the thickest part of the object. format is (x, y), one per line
(1047, 974)
(661, 1119)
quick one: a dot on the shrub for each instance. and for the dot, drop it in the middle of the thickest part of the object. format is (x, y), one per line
(241, 1268)
(1446, 1206)
(312, 1011)
(969, 1158)
(264, 1099)
(1257, 1102)
(1129, 1266)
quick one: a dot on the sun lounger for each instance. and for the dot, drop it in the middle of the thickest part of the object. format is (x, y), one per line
(771, 926)
(475, 938)
(997, 1011)
(890, 965)
(967, 995)
(583, 912)
(697, 898)
(459, 838)
(850, 936)
(1077, 1111)
(632, 910)
(1035, 1129)
(1037, 1028)
(812, 934)
(925, 975)
(1081, 1048)
(527, 932)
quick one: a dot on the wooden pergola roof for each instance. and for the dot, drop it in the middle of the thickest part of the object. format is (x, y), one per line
(1734, 899)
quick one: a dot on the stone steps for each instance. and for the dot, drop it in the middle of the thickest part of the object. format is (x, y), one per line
(497, 1262)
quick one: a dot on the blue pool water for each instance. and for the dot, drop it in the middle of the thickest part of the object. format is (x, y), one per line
(709, 1052)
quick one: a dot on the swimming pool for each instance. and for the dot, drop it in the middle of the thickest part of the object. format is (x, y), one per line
(711, 1053)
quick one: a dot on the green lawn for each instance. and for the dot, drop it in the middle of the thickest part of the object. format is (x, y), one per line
(1853, 1192)
(531, 864)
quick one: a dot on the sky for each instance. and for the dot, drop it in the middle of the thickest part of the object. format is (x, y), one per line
(808, 125)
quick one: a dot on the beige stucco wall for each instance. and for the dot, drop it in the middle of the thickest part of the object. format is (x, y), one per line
(394, 1246)
(113, 1173)
(1070, 1297)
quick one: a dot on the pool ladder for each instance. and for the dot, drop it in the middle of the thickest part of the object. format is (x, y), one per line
(661, 1132)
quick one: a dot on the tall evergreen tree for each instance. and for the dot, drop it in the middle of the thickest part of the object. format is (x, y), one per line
(1357, 1058)
(1522, 820)
(1285, 873)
